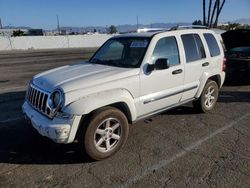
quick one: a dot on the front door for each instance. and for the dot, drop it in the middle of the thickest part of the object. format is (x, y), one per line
(162, 88)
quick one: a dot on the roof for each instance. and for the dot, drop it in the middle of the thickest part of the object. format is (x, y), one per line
(150, 32)
(143, 35)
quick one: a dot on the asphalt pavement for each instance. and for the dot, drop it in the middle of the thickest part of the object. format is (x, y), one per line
(177, 148)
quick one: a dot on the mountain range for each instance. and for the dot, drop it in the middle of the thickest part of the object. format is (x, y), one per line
(125, 27)
(243, 21)
(120, 28)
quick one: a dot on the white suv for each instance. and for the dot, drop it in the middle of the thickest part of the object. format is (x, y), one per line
(129, 78)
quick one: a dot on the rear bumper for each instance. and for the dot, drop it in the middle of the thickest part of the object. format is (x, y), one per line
(57, 129)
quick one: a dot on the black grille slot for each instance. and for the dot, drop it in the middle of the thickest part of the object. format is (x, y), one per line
(37, 99)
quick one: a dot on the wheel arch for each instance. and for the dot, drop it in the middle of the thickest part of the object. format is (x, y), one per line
(120, 99)
(204, 80)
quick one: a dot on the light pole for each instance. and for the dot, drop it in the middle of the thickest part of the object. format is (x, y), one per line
(137, 20)
(58, 25)
(1, 25)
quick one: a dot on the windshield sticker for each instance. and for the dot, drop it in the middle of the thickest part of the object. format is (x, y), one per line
(139, 44)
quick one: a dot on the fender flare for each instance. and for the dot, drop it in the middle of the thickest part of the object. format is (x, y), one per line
(91, 102)
(204, 79)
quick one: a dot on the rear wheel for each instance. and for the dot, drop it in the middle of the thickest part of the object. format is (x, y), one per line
(105, 134)
(208, 98)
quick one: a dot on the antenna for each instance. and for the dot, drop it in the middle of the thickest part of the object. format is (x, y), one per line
(58, 24)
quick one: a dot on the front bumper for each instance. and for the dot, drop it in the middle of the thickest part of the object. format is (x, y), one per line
(60, 130)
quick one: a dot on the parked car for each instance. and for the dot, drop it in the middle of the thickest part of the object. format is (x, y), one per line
(237, 43)
(129, 78)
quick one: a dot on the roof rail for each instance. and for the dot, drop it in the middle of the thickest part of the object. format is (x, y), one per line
(178, 27)
(144, 30)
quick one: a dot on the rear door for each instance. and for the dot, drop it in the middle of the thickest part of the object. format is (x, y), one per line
(196, 64)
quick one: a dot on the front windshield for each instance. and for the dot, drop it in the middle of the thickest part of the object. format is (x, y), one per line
(122, 52)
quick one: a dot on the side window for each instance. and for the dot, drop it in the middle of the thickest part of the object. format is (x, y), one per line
(212, 44)
(194, 49)
(200, 47)
(167, 48)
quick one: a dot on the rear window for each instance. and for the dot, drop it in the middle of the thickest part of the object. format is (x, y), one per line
(194, 49)
(212, 44)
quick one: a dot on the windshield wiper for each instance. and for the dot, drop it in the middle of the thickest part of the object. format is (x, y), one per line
(102, 62)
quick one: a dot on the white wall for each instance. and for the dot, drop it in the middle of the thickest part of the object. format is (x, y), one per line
(5, 43)
(49, 42)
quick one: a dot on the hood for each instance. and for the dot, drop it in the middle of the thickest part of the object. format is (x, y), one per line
(79, 76)
(236, 38)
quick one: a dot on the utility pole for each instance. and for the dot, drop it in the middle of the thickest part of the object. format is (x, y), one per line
(58, 25)
(1, 26)
(137, 20)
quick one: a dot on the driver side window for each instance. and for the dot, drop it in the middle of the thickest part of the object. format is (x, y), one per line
(167, 48)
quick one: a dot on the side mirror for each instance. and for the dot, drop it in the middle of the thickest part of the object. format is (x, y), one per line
(150, 67)
(161, 64)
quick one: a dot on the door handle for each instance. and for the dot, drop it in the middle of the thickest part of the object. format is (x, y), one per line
(205, 64)
(178, 71)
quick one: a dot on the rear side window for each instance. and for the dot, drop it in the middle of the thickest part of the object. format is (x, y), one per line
(194, 49)
(212, 44)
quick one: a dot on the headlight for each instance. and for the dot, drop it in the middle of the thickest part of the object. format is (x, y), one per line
(56, 100)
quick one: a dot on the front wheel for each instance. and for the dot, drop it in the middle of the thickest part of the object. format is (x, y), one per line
(105, 134)
(208, 98)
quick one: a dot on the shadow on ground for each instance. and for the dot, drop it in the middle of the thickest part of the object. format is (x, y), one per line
(21, 144)
(237, 80)
(234, 96)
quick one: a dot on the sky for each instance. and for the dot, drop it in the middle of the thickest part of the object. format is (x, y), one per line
(82, 13)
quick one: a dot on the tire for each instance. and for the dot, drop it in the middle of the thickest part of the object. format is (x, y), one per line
(208, 98)
(104, 134)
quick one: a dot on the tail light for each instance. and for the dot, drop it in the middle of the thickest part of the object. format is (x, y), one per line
(224, 66)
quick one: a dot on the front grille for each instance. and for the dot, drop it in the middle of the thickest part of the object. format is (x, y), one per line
(38, 99)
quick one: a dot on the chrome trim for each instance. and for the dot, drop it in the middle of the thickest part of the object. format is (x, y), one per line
(162, 110)
(34, 99)
(169, 95)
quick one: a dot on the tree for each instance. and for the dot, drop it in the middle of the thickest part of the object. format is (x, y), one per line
(217, 8)
(112, 29)
(197, 22)
(231, 26)
(17, 33)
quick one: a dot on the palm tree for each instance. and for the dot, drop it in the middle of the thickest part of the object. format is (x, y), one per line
(217, 8)
(204, 12)
(213, 13)
(209, 12)
(218, 13)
